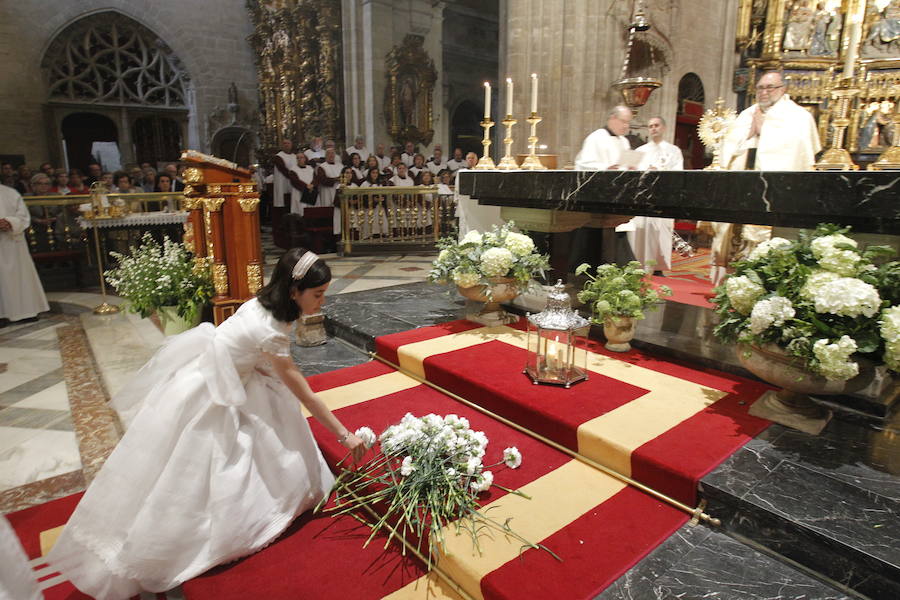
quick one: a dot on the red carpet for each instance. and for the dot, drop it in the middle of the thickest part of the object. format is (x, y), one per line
(686, 289)
(664, 423)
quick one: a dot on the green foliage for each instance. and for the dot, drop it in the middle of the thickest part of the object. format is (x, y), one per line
(155, 275)
(615, 291)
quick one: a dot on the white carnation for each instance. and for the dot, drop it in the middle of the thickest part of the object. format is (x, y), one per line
(495, 262)
(483, 482)
(847, 297)
(512, 457)
(473, 237)
(407, 467)
(833, 358)
(466, 280)
(763, 249)
(366, 435)
(519, 244)
(473, 465)
(773, 311)
(742, 293)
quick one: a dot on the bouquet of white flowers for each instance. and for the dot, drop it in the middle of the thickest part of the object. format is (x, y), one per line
(427, 475)
(819, 298)
(153, 276)
(478, 257)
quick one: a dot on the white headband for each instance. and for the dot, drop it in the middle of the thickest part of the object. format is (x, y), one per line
(303, 265)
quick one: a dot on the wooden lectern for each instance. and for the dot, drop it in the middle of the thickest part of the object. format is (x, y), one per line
(223, 228)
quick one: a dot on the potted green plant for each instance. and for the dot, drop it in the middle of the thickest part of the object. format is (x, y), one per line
(490, 267)
(617, 297)
(814, 315)
(162, 278)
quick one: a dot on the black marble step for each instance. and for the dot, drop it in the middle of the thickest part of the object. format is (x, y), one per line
(697, 562)
(829, 502)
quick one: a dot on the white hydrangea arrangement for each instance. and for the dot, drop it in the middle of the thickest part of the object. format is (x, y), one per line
(155, 275)
(479, 257)
(427, 474)
(819, 298)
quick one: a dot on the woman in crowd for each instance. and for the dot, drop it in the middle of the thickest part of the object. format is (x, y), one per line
(445, 183)
(60, 182)
(214, 420)
(359, 173)
(163, 183)
(76, 183)
(418, 166)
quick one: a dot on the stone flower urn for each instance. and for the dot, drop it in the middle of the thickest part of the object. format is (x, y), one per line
(500, 289)
(791, 405)
(619, 331)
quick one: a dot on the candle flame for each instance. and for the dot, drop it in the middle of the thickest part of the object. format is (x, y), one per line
(509, 80)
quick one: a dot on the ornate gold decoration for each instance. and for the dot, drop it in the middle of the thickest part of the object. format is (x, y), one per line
(837, 158)
(508, 163)
(188, 238)
(532, 163)
(410, 86)
(190, 190)
(254, 277)
(247, 188)
(213, 204)
(192, 175)
(249, 204)
(191, 203)
(890, 159)
(207, 225)
(486, 163)
(297, 47)
(214, 189)
(220, 278)
(713, 128)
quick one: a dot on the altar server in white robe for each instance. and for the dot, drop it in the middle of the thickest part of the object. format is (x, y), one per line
(21, 293)
(775, 134)
(651, 239)
(303, 174)
(327, 177)
(285, 193)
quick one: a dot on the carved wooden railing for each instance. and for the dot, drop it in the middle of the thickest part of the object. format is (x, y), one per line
(395, 218)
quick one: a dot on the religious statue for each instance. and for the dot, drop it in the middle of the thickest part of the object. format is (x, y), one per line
(408, 103)
(826, 32)
(884, 34)
(798, 33)
(877, 130)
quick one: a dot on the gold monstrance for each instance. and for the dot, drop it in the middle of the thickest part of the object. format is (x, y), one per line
(712, 129)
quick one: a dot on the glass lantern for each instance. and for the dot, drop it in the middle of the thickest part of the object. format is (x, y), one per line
(550, 341)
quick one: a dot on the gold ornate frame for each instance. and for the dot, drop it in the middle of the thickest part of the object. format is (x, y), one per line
(408, 107)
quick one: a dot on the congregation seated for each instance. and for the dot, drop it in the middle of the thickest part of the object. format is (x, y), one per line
(76, 183)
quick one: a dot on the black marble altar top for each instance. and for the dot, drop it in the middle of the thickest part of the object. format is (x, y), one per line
(869, 201)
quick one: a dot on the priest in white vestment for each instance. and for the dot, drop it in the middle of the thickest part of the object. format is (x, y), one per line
(328, 175)
(21, 293)
(602, 149)
(775, 134)
(651, 240)
(473, 216)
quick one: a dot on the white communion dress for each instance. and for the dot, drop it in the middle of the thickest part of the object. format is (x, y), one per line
(216, 462)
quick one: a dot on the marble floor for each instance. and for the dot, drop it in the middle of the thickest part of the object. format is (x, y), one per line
(57, 374)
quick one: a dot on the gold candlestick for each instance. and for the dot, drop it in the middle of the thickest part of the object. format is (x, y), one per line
(508, 163)
(485, 163)
(531, 162)
(104, 308)
(837, 158)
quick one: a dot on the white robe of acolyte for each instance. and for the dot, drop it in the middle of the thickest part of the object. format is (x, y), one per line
(601, 150)
(21, 293)
(306, 175)
(651, 239)
(282, 184)
(788, 139)
(328, 193)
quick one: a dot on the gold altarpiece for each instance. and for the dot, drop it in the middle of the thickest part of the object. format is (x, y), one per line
(223, 229)
(818, 44)
(297, 47)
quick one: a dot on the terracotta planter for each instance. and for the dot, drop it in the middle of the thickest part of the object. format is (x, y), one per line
(502, 289)
(619, 331)
(172, 323)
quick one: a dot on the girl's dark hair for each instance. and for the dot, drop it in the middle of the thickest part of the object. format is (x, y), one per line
(369, 175)
(276, 295)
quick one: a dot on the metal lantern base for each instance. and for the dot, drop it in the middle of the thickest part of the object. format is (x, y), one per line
(575, 375)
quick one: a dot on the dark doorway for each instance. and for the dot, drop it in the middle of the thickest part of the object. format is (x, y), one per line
(691, 101)
(156, 140)
(465, 132)
(80, 131)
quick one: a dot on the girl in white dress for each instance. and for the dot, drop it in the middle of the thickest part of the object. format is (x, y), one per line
(218, 458)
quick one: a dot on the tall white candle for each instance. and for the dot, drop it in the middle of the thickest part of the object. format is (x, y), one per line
(534, 79)
(852, 48)
(487, 101)
(509, 95)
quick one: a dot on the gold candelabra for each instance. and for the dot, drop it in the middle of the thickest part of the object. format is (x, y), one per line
(100, 210)
(837, 158)
(485, 163)
(531, 162)
(508, 163)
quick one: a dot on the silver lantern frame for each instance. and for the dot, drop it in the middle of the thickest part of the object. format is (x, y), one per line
(550, 342)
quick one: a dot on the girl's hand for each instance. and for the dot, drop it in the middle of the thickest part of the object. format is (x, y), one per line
(355, 445)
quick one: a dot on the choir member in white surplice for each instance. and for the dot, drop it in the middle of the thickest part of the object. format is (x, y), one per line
(775, 134)
(302, 177)
(21, 293)
(384, 161)
(409, 154)
(327, 177)
(457, 162)
(315, 153)
(359, 147)
(285, 194)
(651, 239)
(437, 162)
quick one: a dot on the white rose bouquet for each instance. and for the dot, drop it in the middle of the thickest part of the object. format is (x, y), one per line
(501, 252)
(427, 475)
(819, 298)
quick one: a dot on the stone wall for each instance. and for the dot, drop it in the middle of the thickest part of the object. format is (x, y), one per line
(209, 38)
